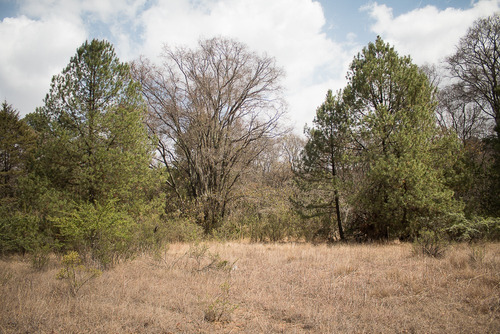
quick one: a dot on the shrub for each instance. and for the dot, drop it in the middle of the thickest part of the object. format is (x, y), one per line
(477, 252)
(474, 229)
(40, 257)
(18, 231)
(273, 226)
(206, 260)
(75, 273)
(181, 229)
(102, 232)
(430, 243)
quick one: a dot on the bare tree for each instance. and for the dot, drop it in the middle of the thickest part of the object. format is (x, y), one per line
(458, 112)
(212, 109)
(476, 64)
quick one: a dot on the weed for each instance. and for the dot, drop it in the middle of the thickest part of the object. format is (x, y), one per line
(429, 243)
(220, 308)
(205, 260)
(75, 273)
(476, 253)
(159, 253)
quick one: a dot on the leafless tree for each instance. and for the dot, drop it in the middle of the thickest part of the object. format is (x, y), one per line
(476, 65)
(213, 110)
(457, 112)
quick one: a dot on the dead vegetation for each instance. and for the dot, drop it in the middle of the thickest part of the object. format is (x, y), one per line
(263, 288)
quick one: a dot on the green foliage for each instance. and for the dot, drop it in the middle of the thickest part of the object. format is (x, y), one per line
(40, 256)
(19, 232)
(17, 141)
(272, 226)
(90, 183)
(322, 170)
(75, 273)
(477, 253)
(93, 144)
(233, 228)
(401, 153)
(181, 229)
(103, 232)
(474, 229)
(205, 260)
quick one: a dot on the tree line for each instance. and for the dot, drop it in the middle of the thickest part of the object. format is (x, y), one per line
(125, 157)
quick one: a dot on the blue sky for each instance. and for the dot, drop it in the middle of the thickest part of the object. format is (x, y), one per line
(344, 16)
(314, 41)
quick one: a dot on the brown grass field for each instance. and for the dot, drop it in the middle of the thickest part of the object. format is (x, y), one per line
(263, 288)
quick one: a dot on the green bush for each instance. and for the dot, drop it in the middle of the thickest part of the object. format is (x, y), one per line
(75, 273)
(19, 232)
(233, 228)
(102, 233)
(273, 226)
(40, 257)
(475, 229)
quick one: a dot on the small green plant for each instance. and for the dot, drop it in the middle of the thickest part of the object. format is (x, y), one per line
(75, 273)
(206, 260)
(102, 231)
(429, 243)
(477, 253)
(220, 309)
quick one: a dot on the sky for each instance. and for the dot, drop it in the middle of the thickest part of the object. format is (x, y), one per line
(313, 41)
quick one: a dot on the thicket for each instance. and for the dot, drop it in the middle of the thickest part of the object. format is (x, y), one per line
(124, 158)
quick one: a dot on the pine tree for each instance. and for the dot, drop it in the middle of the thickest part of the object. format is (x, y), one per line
(323, 160)
(16, 143)
(94, 143)
(94, 155)
(404, 155)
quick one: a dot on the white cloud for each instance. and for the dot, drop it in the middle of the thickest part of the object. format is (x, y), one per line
(40, 41)
(33, 51)
(427, 34)
(289, 30)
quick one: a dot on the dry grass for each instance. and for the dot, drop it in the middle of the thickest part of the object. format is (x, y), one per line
(275, 288)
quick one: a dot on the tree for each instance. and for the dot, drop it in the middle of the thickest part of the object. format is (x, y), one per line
(457, 112)
(399, 149)
(476, 67)
(212, 109)
(94, 144)
(17, 141)
(94, 154)
(323, 159)
(460, 115)
(476, 64)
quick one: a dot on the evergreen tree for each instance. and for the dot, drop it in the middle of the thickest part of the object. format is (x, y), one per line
(16, 143)
(405, 156)
(94, 153)
(94, 143)
(322, 161)
(17, 140)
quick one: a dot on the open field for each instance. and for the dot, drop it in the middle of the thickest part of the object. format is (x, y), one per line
(263, 288)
